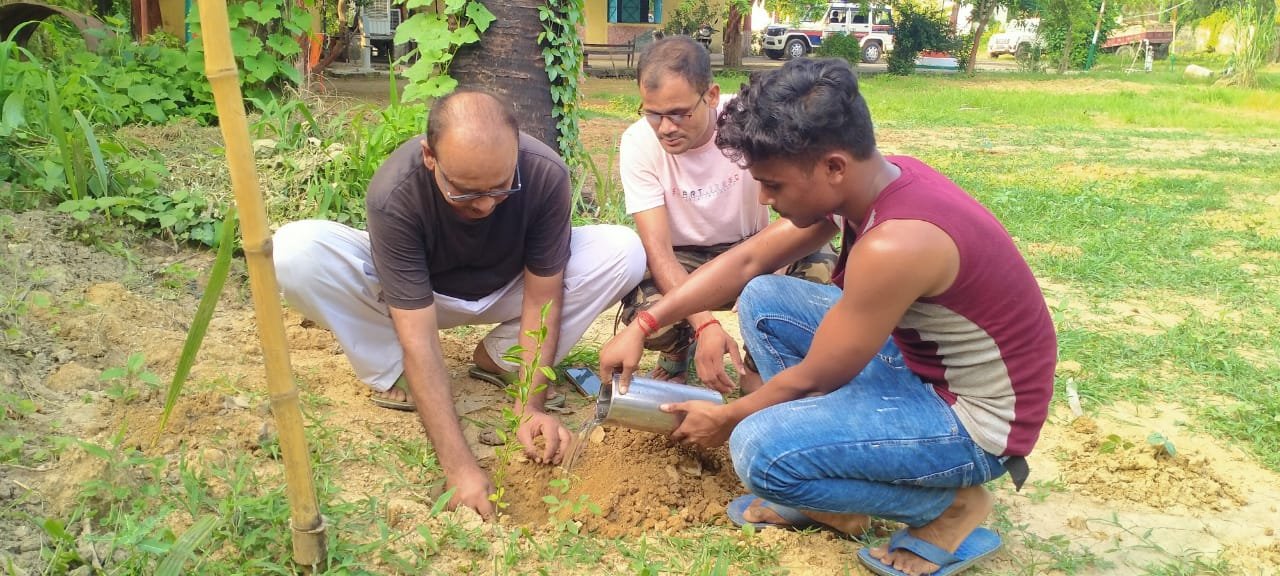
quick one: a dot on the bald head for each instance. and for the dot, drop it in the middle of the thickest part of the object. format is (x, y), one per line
(480, 119)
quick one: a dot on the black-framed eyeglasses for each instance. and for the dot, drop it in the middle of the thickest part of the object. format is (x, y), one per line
(677, 119)
(516, 185)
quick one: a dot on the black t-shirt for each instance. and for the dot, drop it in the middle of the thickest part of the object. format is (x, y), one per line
(421, 245)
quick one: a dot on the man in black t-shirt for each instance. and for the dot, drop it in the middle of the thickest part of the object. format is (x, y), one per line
(467, 225)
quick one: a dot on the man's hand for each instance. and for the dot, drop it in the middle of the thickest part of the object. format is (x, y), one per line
(713, 344)
(555, 436)
(471, 489)
(706, 424)
(621, 355)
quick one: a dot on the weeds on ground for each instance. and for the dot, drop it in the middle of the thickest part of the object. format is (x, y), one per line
(127, 382)
(608, 204)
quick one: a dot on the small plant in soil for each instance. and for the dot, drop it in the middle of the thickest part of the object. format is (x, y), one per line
(1114, 442)
(562, 510)
(1162, 445)
(520, 391)
(125, 380)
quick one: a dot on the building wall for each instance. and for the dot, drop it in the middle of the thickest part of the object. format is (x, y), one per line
(595, 16)
(598, 29)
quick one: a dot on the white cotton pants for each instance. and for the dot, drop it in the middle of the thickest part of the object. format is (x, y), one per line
(325, 271)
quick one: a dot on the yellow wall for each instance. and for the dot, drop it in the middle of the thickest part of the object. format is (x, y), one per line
(595, 16)
(173, 17)
(596, 19)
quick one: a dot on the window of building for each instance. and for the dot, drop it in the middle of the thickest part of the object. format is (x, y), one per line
(635, 11)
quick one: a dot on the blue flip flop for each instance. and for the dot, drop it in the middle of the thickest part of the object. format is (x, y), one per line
(978, 545)
(797, 520)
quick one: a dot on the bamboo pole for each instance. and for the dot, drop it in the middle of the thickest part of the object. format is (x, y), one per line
(220, 67)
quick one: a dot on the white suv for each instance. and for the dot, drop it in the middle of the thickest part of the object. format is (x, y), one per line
(1017, 38)
(874, 31)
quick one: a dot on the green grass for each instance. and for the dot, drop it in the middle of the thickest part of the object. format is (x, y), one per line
(1139, 190)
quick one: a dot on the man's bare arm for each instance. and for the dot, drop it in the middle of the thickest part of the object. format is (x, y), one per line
(654, 228)
(723, 278)
(432, 394)
(897, 263)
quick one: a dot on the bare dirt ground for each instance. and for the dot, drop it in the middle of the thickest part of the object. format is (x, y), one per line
(1097, 487)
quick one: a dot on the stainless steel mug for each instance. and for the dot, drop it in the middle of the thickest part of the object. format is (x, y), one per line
(638, 408)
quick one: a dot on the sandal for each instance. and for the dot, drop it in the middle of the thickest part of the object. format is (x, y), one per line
(404, 405)
(979, 544)
(506, 379)
(675, 364)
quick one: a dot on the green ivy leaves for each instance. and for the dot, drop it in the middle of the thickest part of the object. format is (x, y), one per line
(562, 58)
(262, 13)
(264, 38)
(436, 43)
(480, 16)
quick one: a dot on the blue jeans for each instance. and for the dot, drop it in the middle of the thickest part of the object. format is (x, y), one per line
(884, 444)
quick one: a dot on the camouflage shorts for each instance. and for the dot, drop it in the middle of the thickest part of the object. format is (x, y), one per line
(816, 267)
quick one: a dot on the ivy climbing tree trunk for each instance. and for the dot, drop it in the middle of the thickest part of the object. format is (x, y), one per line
(509, 62)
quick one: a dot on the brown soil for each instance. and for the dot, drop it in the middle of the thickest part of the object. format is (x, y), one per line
(642, 483)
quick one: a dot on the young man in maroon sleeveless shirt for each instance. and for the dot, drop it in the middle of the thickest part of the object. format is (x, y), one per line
(925, 373)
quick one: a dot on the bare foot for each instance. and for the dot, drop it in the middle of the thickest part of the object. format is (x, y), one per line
(948, 531)
(677, 358)
(851, 524)
(749, 381)
(480, 357)
(395, 393)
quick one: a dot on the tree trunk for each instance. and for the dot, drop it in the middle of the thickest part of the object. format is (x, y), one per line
(508, 61)
(983, 11)
(733, 38)
(1068, 44)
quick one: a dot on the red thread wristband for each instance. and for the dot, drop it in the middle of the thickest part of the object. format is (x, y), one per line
(648, 324)
(698, 332)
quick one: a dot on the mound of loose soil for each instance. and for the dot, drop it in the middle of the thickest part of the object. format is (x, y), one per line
(642, 483)
(1114, 469)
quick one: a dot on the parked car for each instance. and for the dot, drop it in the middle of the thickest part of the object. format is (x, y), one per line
(873, 29)
(1018, 38)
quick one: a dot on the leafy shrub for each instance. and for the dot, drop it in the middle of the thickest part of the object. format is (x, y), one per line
(1078, 17)
(1033, 61)
(918, 29)
(962, 47)
(264, 39)
(688, 16)
(1215, 23)
(127, 82)
(841, 45)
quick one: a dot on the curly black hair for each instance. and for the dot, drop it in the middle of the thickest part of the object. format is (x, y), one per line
(801, 111)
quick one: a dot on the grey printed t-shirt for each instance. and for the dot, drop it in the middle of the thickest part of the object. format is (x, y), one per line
(421, 245)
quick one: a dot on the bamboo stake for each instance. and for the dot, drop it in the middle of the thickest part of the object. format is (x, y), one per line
(220, 67)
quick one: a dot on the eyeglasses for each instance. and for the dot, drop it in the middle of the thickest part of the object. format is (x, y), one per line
(473, 195)
(677, 119)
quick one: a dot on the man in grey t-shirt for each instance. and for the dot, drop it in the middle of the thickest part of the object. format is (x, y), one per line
(467, 225)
